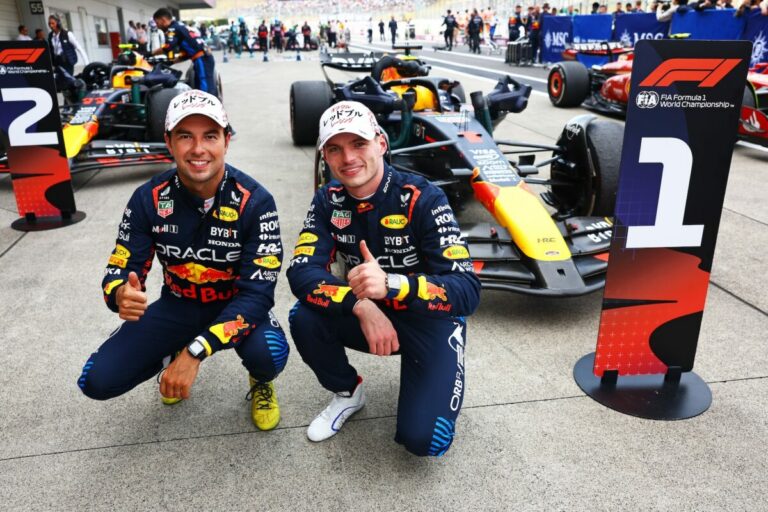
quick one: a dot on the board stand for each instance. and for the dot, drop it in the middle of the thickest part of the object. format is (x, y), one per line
(675, 396)
(31, 222)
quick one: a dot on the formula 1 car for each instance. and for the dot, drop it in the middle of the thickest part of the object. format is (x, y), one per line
(120, 118)
(114, 114)
(605, 89)
(433, 133)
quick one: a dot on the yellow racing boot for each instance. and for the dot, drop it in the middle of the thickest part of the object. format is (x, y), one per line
(265, 410)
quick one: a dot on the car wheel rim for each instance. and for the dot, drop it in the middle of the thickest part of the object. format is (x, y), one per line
(556, 85)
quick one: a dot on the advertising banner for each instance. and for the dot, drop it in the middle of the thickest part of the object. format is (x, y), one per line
(592, 28)
(756, 30)
(30, 132)
(708, 24)
(555, 36)
(681, 125)
(633, 27)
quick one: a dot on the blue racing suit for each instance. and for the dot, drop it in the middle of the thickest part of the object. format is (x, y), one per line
(220, 269)
(410, 228)
(179, 43)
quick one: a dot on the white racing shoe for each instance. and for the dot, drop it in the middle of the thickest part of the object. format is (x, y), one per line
(343, 405)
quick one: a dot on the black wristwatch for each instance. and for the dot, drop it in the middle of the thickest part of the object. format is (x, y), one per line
(197, 350)
(394, 284)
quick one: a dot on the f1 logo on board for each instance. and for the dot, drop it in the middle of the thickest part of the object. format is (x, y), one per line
(708, 72)
(25, 55)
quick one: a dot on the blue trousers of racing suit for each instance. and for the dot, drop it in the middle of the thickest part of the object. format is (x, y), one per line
(431, 369)
(205, 76)
(134, 353)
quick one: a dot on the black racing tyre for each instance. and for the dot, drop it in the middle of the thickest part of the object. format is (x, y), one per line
(322, 172)
(96, 75)
(586, 177)
(568, 84)
(309, 99)
(189, 78)
(604, 141)
(157, 106)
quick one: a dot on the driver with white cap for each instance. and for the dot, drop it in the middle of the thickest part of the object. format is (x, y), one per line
(216, 234)
(405, 286)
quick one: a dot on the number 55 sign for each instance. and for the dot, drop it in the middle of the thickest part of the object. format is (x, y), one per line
(31, 144)
(681, 126)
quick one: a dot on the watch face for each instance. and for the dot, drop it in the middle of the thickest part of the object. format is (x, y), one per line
(196, 348)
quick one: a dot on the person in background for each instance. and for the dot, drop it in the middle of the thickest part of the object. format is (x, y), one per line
(393, 29)
(450, 24)
(474, 29)
(244, 33)
(515, 23)
(39, 34)
(156, 37)
(130, 33)
(64, 46)
(263, 34)
(23, 34)
(141, 38)
(306, 34)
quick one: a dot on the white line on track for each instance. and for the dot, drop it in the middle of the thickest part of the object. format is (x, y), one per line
(468, 66)
(490, 80)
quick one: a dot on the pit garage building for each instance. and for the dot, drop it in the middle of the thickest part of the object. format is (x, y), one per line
(90, 20)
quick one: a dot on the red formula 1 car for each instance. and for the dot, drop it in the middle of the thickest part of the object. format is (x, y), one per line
(605, 88)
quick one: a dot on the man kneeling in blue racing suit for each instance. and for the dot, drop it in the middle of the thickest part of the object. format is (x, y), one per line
(216, 233)
(406, 285)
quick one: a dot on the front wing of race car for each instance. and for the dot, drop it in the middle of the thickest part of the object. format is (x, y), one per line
(500, 265)
(100, 154)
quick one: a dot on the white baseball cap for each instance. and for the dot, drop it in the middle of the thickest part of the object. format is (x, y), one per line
(195, 102)
(348, 117)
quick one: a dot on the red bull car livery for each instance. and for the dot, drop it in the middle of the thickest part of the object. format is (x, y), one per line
(435, 135)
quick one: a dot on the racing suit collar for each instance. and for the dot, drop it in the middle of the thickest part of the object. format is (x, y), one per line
(384, 186)
(193, 200)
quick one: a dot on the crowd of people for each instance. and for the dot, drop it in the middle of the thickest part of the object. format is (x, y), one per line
(473, 26)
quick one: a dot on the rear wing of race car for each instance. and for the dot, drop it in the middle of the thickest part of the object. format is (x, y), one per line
(350, 61)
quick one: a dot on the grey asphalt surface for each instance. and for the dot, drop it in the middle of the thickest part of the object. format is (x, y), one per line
(528, 438)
